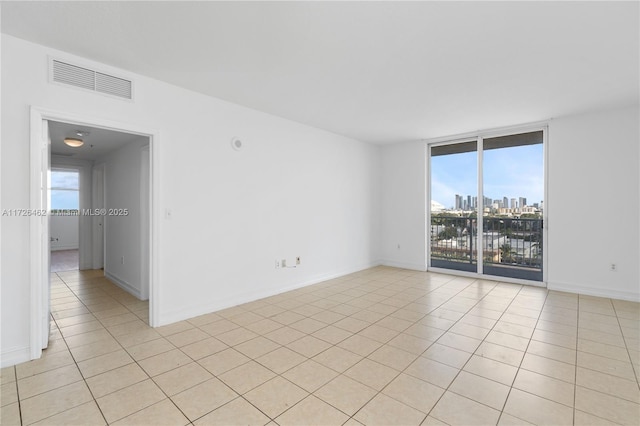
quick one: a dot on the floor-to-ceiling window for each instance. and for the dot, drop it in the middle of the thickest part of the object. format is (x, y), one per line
(454, 213)
(487, 202)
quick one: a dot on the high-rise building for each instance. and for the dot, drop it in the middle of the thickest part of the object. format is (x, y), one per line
(505, 202)
(523, 202)
(458, 205)
(514, 204)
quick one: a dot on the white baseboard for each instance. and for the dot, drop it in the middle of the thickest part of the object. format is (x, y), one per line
(593, 291)
(169, 317)
(123, 285)
(13, 356)
(58, 248)
(404, 265)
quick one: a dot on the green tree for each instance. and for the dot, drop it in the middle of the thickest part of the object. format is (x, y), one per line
(448, 233)
(505, 253)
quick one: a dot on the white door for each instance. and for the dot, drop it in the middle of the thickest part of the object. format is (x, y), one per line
(97, 203)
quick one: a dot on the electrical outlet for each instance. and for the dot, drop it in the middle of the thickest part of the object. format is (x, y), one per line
(277, 264)
(613, 267)
(298, 260)
(284, 263)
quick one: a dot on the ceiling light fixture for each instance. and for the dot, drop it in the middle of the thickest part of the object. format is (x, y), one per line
(74, 142)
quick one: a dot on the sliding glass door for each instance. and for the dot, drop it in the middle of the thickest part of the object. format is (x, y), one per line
(454, 224)
(487, 203)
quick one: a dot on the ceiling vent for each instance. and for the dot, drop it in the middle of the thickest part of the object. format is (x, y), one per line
(73, 75)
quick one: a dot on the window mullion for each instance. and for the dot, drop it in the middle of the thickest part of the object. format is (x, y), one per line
(480, 211)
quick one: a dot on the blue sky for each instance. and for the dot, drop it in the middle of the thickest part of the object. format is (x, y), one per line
(508, 172)
(66, 198)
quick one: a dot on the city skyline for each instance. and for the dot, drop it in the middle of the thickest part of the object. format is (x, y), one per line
(468, 202)
(508, 172)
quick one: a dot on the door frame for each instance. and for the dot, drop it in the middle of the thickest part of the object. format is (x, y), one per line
(97, 225)
(40, 249)
(479, 136)
(39, 277)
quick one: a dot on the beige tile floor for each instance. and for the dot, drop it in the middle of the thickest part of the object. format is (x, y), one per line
(383, 346)
(64, 260)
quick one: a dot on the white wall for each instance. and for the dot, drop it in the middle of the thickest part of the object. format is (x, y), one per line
(64, 231)
(122, 233)
(293, 191)
(592, 204)
(403, 206)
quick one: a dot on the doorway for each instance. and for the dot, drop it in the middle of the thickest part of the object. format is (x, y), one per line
(487, 206)
(107, 190)
(42, 140)
(64, 192)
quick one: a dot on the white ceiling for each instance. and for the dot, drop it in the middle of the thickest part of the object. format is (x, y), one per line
(97, 143)
(381, 72)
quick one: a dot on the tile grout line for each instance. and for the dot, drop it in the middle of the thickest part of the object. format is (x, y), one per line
(134, 361)
(483, 340)
(432, 343)
(302, 299)
(285, 346)
(524, 353)
(15, 372)
(332, 345)
(626, 346)
(251, 359)
(336, 345)
(74, 359)
(575, 371)
(575, 387)
(402, 371)
(231, 318)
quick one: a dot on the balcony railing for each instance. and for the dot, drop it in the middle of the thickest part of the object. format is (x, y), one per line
(510, 247)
